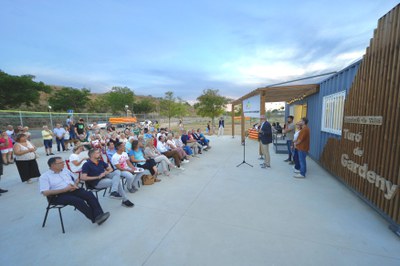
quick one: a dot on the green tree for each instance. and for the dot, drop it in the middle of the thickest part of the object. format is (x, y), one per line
(70, 98)
(19, 90)
(182, 108)
(119, 97)
(99, 105)
(211, 104)
(169, 107)
(144, 106)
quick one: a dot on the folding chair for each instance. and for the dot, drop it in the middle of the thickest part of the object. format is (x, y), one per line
(54, 206)
(96, 190)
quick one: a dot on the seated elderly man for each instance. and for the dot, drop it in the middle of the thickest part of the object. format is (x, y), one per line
(121, 161)
(58, 185)
(178, 143)
(188, 140)
(99, 174)
(163, 148)
(203, 138)
(197, 137)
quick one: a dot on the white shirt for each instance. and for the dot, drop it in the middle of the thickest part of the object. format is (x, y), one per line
(121, 160)
(53, 181)
(75, 157)
(296, 135)
(59, 132)
(66, 136)
(161, 147)
(171, 143)
(10, 132)
(178, 143)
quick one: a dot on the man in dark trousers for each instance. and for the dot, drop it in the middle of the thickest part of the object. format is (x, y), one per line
(58, 185)
(221, 126)
(266, 139)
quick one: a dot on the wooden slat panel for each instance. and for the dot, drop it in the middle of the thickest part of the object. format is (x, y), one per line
(375, 92)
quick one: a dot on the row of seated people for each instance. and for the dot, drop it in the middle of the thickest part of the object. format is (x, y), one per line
(97, 173)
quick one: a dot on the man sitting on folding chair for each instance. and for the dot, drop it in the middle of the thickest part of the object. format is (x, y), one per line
(58, 185)
(99, 174)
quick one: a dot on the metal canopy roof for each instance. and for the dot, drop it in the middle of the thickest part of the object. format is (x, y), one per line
(282, 93)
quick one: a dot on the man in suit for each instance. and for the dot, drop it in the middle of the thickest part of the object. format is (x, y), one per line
(266, 139)
(221, 126)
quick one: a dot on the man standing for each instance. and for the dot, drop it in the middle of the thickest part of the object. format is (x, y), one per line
(58, 186)
(266, 139)
(303, 145)
(289, 131)
(60, 132)
(98, 174)
(80, 128)
(221, 126)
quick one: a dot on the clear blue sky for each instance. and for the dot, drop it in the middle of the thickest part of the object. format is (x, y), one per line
(183, 46)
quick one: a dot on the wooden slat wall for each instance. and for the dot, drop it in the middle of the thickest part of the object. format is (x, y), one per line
(375, 92)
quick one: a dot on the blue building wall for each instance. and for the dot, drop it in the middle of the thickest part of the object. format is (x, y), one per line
(336, 83)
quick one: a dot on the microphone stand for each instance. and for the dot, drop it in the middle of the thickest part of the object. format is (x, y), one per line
(244, 154)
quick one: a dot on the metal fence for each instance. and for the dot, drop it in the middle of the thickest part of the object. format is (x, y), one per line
(36, 120)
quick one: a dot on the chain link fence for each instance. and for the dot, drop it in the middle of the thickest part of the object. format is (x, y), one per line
(36, 120)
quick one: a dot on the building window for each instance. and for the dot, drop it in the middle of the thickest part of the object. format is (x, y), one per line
(332, 113)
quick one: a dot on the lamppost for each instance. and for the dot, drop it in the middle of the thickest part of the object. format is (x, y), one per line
(126, 109)
(51, 119)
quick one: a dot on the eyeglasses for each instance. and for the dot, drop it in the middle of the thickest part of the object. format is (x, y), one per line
(60, 162)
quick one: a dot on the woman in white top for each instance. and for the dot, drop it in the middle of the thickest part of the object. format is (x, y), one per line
(75, 160)
(171, 144)
(295, 153)
(25, 158)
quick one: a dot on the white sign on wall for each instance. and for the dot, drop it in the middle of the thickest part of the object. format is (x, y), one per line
(251, 106)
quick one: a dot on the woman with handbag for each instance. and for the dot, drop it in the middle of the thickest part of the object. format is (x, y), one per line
(136, 156)
(25, 158)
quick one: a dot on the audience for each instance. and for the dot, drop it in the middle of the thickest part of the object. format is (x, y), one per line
(59, 186)
(163, 148)
(98, 174)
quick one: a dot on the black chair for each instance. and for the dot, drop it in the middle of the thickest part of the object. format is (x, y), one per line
(96, 190)
(54, 206)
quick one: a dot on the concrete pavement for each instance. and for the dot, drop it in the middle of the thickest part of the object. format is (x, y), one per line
(213, 213)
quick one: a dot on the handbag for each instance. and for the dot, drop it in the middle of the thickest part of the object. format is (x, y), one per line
(147, 180)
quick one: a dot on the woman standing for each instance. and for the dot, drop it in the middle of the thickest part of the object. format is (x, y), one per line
(47, 136)
(6, 148)
(1, 173)
(25, 158)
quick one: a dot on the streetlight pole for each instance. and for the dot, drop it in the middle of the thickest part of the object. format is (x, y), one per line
(51, 119)
(126, 109)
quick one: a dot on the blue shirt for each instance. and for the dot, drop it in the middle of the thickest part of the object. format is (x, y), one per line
(138, 155)
(110, 153)
(91, 169)
(184, 139)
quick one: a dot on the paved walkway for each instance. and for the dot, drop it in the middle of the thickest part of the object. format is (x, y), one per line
(213, 213)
